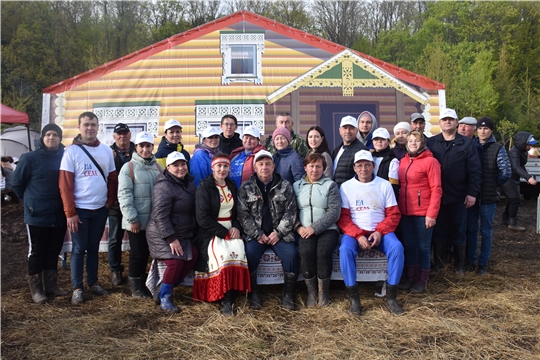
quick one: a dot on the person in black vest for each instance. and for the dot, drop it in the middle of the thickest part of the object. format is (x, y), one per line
(496, 171)
(343, 155)
(229, 139)
(386, 163)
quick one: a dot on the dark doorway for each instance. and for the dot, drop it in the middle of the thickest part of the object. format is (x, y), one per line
(330, 115)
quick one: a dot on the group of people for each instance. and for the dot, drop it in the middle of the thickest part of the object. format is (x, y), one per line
(218, 211)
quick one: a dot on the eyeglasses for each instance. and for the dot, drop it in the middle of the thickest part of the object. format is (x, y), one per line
(228, 124)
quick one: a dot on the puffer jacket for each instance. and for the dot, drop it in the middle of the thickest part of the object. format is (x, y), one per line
(35, 180)
(289, 164)
(518, 156)
(172, 217)
(319, 204)
(207, 206)
(201, 162)
(344, 168)
(135, 195)
(421, 191)
(282, 208)
(165, 148)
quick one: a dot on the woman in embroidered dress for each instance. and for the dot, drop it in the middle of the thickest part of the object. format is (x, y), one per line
(222, 267)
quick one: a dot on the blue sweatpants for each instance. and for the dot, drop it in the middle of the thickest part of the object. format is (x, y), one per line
(390, 246)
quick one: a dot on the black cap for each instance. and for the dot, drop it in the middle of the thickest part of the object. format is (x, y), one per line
(121, 127)
(486, 121)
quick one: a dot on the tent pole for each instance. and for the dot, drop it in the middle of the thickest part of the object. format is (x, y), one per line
(28, 132)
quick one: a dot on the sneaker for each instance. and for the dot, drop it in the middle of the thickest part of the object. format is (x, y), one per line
(98, 290)
(482, 270)
(77, 297)
(117, 279)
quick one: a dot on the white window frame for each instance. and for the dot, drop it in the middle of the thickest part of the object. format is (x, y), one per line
(232, 39)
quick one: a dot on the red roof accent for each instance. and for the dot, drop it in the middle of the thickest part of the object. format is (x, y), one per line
(225, 21)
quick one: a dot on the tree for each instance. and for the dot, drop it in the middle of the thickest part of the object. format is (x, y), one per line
(339, 21)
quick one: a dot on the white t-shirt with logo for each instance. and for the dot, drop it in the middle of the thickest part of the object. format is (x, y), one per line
(367, 201)
(90, 189)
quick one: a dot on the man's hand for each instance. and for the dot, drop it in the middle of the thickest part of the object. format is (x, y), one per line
(176, 248)
(234, 233)
(532, 181)
(263, 239)
(273, 238)
(135, 227)
(306, 232)
(375, 238)
(430, 222)
(363, 243)
(73, 223)
(469, 201)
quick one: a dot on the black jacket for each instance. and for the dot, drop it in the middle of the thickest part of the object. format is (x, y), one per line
(119, 160)
(461, 171)
(227, 145)
(518, 156)
(344, 168)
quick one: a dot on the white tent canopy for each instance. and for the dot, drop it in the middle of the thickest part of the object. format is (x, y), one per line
(14, 141)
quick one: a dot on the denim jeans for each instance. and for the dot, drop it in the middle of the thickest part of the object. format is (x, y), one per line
(486, 213)
(286, 251)
(116, 234)
(390, 246)
(86, 241)
(416, 240)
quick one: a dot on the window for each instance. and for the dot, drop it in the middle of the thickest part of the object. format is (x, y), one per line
(243, 60)
(242, 56)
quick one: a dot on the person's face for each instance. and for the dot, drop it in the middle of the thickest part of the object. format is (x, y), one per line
(401, 136)
(413, 144)
(284, 121)
(280, 142)
(364, 170)
(88, 129)
(174, 134)
(250, 142)
(220, 171)
(466, 130)
(448, 125)
(418, 125)
(380, 143)
(122, 139)
(51, 140)
(314, 170)
(212, 141)
(178, 169)
(528, 147)
(365, 123)
(484, 133)
(348, 134)
(314, 139)
(144, 150)
(228, 127)
(264, 168)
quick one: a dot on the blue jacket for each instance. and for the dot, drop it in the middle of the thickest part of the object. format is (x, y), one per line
(36, 181)
(201, 163)
(289, 164)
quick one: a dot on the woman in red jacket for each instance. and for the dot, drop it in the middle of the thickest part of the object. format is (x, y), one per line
(419, 201)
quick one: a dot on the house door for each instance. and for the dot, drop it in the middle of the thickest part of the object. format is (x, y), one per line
(330, 115)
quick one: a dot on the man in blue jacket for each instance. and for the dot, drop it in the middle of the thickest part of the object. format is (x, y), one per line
(36, 182)
(461, 174)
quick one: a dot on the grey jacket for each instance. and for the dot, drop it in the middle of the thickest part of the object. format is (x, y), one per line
(319, 204)
(282, 208)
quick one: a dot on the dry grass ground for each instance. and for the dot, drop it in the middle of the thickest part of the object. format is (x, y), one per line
(492, 317)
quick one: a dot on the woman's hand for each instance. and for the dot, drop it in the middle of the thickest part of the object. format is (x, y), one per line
(135, 227)
(234, 233)
(176, 248)
(430, 222)
(306, 232)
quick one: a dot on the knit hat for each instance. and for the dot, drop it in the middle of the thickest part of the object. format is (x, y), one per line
(284, 132)
(52, 127)
(402, 125)
(486, 121)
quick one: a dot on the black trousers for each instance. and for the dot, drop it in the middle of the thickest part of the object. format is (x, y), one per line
(316, 254)
(138, 253)
(45, 244)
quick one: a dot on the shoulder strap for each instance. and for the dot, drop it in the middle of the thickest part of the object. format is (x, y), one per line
(130, 170)
(158, 167)
(94, 161)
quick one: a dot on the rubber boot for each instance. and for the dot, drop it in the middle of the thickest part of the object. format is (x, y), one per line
(391, 302)
(354, 299)
(459, 258)
(420, 285)
(254, 300)
(439, 254)
(324, 292)
(412, 273)
(135, 284)
(157, 299)
(50, 282)
(36, 288)
(513, 225)
(505, 221)
(311, 285)
(289, 283)
(166, 295)
(227, 303)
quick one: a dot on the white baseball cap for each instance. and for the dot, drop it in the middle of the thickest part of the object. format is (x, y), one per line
(348, 120)
(261, 154)
(380, 133)
(448, 113)
(363, 155)
(253, 131)
(210, 131)
(144, 136)
(175, 156)
(171, 123)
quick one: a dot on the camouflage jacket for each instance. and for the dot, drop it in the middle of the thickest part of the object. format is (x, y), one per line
(298, 144)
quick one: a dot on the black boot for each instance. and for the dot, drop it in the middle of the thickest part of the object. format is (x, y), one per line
(354, 299)
(311, 285)
(50, 282)
(391, 302)
(135, 284)
(324, 291)
(513, 225)
(505, 221)
(254, 300)
(145, 289)
(36, 288)
(227, 303)
(439, 256)
(459, 258)
(289, 283)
